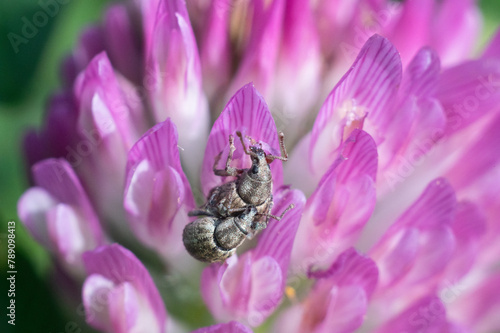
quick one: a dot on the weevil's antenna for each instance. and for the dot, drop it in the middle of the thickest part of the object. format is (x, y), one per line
(251, 153)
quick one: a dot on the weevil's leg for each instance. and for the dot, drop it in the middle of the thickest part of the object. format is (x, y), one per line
(236, 210)
(251, 153)
(284, 154)
(216, 161)
(228, 170)
(199, 212)
(224, 201)
(277, 218)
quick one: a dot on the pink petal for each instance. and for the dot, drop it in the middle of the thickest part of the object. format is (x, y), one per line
(32, 208)
(214, 48)
(277, 239)
(337, 19)
(351, 268)
(59, 179)
(102, 103)
(34, 147)
(420, 77)
(458, 25)
(130, 312)
(341, 205)
(226, 287)
(247, 112)
(261, 51)
(361, 150)
(436, 249)
(427, 315)
(235, 285)
(428, 123)
(90, 44)
(267, 288)
(109, 127)
(250, 288)
(167, 196)
(300, 39)
(420, 243)
(466, 170)
(377, 66)
(468, 92)
(150, 12)
(138, 195)
(289, 320)
(210, 280)
(60, 124)
(397, 262)
(346, 311)
(95, 291)
(340, 296)
(469, 228)
(124, 52)
(119, 265)
(58, 132)
(297, 82)
(156, 207)
(157, 193)
(159, 147)
(478, 307)
(435, 205)
(413, 29)
(418, 121)
(124, 309)
(174, 78)
(67, 233)
(231, 327)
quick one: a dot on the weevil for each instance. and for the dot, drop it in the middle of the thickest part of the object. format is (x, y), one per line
(212, 239)
(253, 186)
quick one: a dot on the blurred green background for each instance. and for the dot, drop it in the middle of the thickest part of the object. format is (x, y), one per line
(27, 79)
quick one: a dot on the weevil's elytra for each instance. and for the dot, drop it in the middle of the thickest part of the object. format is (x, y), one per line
(212, 239)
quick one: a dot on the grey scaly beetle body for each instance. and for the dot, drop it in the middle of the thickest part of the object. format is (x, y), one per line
(212, 239)
(235, 210)
(253, 186)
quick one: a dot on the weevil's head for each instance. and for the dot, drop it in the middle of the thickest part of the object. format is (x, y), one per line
(260, 167)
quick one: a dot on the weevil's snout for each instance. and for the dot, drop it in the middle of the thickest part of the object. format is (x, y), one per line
(258, 156)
